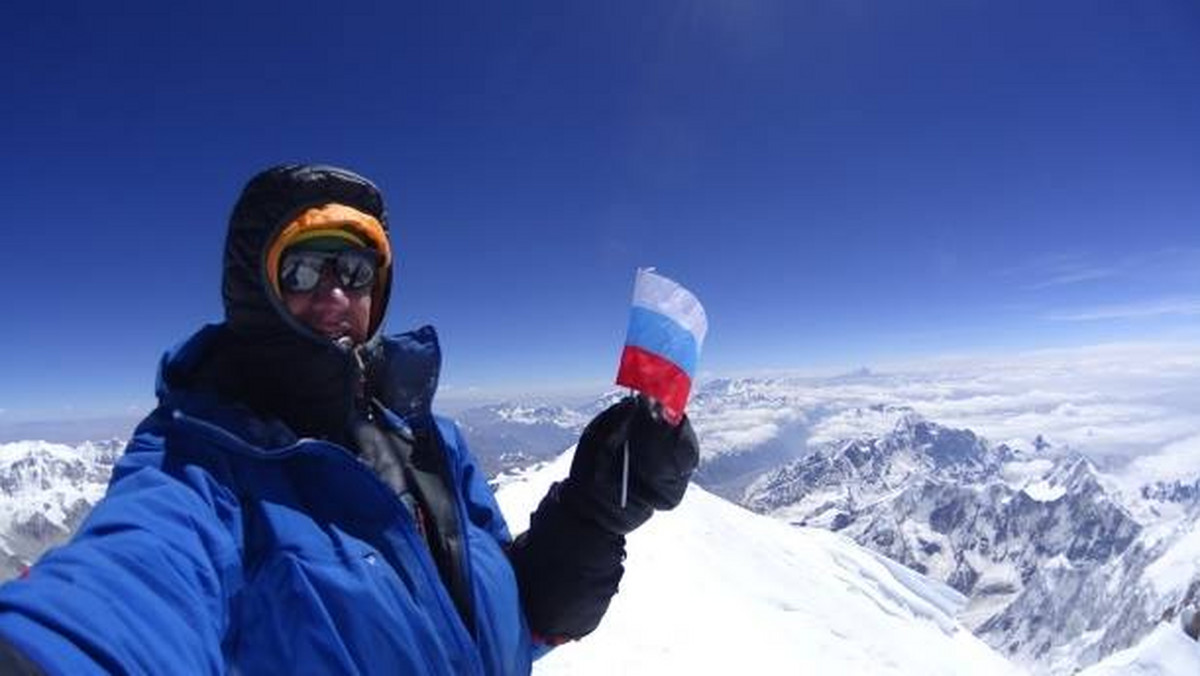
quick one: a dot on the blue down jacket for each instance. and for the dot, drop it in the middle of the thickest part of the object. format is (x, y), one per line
(226, 545)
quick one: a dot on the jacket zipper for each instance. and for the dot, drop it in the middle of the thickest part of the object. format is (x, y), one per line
(460, 506)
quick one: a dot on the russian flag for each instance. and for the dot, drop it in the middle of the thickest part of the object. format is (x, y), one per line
(666, 329)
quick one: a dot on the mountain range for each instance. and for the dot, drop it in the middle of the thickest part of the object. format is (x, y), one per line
(1052, 561)
(1062, 563)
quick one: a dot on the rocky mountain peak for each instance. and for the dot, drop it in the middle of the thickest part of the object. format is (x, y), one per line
(1076, 475)
(936, 499)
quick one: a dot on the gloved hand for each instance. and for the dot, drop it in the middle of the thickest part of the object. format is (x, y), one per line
(568, 564)
(661, 461)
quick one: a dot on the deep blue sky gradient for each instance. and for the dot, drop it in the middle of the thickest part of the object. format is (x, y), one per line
(842, 183)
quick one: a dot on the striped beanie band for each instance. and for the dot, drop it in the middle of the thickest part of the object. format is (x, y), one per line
(329, 225)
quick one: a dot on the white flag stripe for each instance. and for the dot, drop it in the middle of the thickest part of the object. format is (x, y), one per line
(655, 292)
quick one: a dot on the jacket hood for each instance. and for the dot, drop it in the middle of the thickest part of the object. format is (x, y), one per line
(270, 201)
(269, 360)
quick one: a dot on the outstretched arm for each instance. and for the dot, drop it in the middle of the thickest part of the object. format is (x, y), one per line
(145, 584)
(569, 562)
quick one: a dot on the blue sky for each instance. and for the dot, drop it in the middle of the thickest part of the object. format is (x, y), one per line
(842, 183)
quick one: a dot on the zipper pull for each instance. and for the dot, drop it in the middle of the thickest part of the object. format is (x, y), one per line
(358, 359)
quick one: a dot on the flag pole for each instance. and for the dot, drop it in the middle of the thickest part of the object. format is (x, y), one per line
(625, 477)
(625, 467)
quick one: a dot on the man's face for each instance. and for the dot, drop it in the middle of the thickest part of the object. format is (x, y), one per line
(331, 308)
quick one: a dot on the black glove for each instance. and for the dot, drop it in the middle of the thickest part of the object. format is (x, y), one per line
(662, 458)
(568, 564)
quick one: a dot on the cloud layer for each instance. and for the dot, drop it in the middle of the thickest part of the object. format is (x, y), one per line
(1113, 402)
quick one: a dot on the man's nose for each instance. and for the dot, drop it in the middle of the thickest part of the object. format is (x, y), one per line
(329, 287)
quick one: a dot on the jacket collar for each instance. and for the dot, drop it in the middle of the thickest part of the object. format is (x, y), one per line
(403, 377)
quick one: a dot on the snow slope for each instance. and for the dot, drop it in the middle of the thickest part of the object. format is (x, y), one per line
(714, 588)
(1167, 651)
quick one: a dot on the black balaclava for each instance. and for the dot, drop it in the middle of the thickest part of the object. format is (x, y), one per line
(268, 360)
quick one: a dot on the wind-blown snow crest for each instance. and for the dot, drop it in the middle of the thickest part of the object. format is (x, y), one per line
(714, 588)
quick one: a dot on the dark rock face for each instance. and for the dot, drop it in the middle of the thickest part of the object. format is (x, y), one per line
(76, 513)
(946, 517)
(728, 475)
(1175, 491)
(37, 527)
(949, 447)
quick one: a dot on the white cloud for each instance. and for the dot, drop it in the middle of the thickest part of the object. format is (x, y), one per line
(1074, 276)
(734, 428)
(1144, 310)
(1064, 269)
(1109, 399)
(1176, 461)
(1114, 401)
(743, 437)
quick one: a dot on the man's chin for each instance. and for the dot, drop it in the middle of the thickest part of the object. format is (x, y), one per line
(337, 333)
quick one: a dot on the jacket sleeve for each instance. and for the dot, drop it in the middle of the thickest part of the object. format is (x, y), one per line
(145, 584)
(568, 569)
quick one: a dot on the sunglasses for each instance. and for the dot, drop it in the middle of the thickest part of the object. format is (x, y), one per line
(354, 269)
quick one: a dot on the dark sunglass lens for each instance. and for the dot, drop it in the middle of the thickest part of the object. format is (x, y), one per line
(300, 273)
(356, 271)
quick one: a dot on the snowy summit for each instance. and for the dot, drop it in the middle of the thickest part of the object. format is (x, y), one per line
(714, 588)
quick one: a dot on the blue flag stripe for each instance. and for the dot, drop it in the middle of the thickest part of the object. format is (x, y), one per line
(657, 333)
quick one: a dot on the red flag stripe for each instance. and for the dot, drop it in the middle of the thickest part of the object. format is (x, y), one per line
(656, 377)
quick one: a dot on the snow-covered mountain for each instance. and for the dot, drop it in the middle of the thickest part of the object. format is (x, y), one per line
(1059, 571)
(45, 491)
(1054, 554)
(1117, 605)
(512, 435)
(713, 588)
